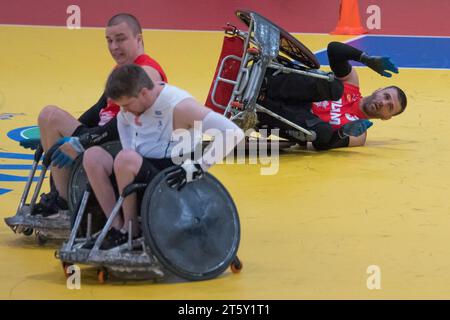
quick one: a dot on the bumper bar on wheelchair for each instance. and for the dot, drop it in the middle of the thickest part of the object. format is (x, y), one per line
(315, 74)
(311, 135)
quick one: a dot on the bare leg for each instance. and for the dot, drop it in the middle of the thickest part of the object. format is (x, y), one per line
(126, 168)
(98, 164)
(55, 123)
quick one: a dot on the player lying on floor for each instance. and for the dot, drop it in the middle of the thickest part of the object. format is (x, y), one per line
(336, 111)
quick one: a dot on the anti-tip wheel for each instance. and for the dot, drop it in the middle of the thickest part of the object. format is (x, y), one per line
(236, 266)
(102, 275)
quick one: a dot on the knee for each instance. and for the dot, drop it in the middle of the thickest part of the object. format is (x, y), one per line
(47, 114)
(127, 161)
(95, 159)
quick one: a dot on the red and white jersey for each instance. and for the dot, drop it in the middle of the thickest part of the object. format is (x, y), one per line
(111, 110)
(345, 110)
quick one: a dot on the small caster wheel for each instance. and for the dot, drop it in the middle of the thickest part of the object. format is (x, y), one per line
(102, 275)
(253, 51)
(28, 231)
(236, 265)
(41, 240)
(66, 266)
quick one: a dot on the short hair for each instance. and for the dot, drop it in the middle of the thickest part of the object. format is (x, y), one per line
(129, 19)
(127, 81)
(401, 98)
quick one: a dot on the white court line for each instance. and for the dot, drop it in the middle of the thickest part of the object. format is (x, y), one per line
(212, 31)
(349, 40)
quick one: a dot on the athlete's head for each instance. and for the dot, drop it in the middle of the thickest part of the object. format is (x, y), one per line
(130, 87)
(124, 36)
(384, 103)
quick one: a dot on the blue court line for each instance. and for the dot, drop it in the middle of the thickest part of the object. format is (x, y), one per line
(22, 156)
(10, 178)
(405, 52)
(3, 191)
(17, 167)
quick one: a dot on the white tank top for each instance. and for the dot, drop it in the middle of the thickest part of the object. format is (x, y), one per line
(150, 134)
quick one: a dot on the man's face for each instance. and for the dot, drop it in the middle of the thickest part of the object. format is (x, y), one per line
(135, 105)
(382, 104)
(122, 44)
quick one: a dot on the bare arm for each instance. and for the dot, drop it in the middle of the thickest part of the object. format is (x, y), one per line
(358, 141)
(225, 134)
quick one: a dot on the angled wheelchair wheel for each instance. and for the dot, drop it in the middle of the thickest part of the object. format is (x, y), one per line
(77, 186)
(195, 232)
(289, 45)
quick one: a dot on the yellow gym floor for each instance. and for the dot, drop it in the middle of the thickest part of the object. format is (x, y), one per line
(309, 232)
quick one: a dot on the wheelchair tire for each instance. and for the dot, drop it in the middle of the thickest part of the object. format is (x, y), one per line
(195, 232)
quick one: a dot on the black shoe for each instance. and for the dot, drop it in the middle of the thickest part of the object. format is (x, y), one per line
(49, 204)
(114, 238)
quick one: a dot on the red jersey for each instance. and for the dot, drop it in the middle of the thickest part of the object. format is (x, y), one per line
(345, 110)
(111, 110)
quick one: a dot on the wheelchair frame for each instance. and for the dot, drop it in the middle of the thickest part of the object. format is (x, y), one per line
(263, 43)
(45, 228)
(133, 260)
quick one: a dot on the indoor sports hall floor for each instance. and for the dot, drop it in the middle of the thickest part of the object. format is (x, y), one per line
(309, 232)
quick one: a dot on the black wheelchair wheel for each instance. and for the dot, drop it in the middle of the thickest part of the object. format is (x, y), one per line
(289, 45)
(195, 232)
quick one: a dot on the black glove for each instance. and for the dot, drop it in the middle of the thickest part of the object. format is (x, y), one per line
(379, 64)
(187, 172)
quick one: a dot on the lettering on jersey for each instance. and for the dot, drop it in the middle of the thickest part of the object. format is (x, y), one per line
(335, 112)
(351, 117)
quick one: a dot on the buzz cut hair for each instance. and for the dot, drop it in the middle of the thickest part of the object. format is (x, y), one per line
(401, 98)
(129, 19)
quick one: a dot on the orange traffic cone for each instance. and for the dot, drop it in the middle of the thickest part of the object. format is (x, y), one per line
(349, 19)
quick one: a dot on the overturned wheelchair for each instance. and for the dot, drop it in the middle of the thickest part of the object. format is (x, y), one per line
(192, 233)
(245, 59)
(55, 227)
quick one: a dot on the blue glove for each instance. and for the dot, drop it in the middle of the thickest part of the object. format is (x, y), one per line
(59, 158)
(30, 143)
(379, 64)
(355, 128)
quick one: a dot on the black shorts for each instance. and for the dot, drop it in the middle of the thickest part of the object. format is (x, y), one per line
(82, 129)
(295, 89)
(151, 167)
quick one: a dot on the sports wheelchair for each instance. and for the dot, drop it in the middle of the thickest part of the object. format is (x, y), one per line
(244, 60)
(192, 233)
(56, 227)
